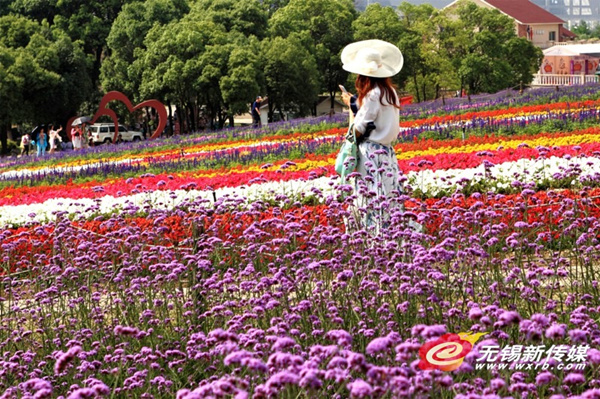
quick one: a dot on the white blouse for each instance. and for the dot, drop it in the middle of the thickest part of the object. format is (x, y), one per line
(54, 135)
(386, 118)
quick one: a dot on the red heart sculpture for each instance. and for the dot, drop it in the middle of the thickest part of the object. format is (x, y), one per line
(118, 96)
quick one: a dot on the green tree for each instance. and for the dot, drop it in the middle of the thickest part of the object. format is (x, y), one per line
(4, 7)
(478, 43)
(246, 17)
(90, 22)
(207, 61)
(524, 60)
(328, 25)
(582, 30)
(170, 66)
(35, 9)
(127, 37)
(290, 74)
(273, 5)
(378, 22)
(427, 69)
(43, 74)
(244, 77)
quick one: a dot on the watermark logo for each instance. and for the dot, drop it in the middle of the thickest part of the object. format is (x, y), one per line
(447, 352)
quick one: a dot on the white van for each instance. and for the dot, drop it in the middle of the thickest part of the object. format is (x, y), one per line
(105, 133)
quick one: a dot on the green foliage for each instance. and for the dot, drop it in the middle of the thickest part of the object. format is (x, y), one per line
(486, 52)
(378, 22)
(43, 72)
(582, 30)
(328, 26)
(245, 17)
(126, 38)
(35, 9)
(290, 73)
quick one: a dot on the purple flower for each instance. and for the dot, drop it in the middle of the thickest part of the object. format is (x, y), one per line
(574, 379)
(236, 357)
(65, 359)
(82, 393)
(122, 330)
(434, 331)
(578, 336)
(475, 313)
(556, 331)
(540, 319)
(378, 345)
(497, 384)
(283, 343)
(342, 337)
(282, 378)
(509, 317)
(544, 378)
(593, 356)
(591, 394)
(360, 389)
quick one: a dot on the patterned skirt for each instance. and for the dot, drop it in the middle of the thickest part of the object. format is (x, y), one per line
(379, 188)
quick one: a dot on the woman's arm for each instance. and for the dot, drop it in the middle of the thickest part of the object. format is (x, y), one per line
(368, 111)
(346, 98)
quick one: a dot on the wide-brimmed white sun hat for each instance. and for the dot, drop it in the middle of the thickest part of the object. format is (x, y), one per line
(375, 58)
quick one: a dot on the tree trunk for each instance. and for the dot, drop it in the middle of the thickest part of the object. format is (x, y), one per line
(271, 111)
(193, 116)
(170, 119)
(186, 117)
(147, 124)
(416, 87)
(4, 138)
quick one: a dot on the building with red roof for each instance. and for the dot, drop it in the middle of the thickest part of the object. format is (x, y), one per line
(532, 22)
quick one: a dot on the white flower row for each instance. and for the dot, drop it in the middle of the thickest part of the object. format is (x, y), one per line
(429, 182)
(503, 175)
(15, 215)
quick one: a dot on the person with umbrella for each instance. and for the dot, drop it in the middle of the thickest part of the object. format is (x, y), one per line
(76, 137)
(77, 131)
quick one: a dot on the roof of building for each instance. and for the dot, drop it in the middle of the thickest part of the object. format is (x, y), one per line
(323, 99)
(523, 11)
(567, 34)
(592, 49)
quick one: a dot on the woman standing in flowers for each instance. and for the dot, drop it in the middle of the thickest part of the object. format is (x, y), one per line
(376, 123)
(25, 142)
(76, 132)
(42, 142)
(54, 138)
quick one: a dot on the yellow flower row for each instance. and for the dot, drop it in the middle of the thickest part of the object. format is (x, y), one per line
(508, 144)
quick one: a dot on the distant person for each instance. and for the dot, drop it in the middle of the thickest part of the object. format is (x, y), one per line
(256, 122)
(55, 138)
(87, 138)
(42, 142)
(76, 137)
(25, 144)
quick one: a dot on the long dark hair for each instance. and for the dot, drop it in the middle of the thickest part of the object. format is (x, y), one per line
(365, 84)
